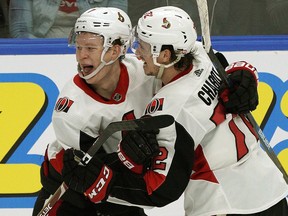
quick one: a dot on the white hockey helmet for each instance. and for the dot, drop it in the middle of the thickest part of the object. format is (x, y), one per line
(167, 25)
(108, 22)
(111, 23)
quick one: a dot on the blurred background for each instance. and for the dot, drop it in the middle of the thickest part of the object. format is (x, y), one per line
(20, 18)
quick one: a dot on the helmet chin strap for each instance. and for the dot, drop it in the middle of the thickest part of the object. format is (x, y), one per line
(102, 64)
(162, 66)
(157, 84)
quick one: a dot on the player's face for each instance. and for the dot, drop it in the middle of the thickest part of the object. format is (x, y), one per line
(89, 48)
(143, 52)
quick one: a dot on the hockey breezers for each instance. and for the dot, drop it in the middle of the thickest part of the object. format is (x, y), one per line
(148, 123)
(204, 20)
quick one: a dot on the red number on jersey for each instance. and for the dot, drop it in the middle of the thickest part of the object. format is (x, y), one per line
(241, 146)
(158, 161)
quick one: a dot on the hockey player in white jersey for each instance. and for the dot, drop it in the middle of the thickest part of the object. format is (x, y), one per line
(230, 173)
(103, 91)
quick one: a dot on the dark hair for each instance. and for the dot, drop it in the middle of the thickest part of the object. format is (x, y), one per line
(119, 42)
(184, 63)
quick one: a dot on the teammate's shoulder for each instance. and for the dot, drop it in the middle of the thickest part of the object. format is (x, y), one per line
(134, 67)
(131, 61)
(201, 61)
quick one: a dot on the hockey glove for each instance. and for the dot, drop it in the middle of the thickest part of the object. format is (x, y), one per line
(94, 179)
(137, 149)
(242, 96)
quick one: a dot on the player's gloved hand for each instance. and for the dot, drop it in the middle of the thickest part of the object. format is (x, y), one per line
(137, 149)
(94, 179)
(242, 96)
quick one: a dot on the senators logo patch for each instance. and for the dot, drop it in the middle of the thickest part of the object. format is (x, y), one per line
(63, 104)
(166, 23)
(155, 105)
(120, 17)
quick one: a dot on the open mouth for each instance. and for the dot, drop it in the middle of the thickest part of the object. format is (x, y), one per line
(87, 69)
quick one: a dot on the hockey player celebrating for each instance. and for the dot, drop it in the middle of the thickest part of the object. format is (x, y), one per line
(103, 91)
(230, 173)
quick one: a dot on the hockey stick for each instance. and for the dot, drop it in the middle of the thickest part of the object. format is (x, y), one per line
(204, 20)
(148, 123)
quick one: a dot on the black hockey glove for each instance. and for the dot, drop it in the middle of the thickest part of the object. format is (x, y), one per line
(94, 179)
(242, 96)
(137, 149)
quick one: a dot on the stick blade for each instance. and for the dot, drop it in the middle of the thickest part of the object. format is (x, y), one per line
(154, 122)
(146, 123)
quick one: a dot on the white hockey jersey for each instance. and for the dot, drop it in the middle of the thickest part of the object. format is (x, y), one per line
(231, 173)
(80, 114)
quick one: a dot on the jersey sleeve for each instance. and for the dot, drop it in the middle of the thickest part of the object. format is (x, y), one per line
(75, 119)
(168, 177)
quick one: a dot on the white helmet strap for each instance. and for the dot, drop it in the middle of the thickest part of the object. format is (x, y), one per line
(160, 71)
(162, 66)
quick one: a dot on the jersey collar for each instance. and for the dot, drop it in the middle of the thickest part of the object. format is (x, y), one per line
(119, 94)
